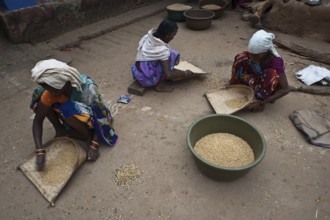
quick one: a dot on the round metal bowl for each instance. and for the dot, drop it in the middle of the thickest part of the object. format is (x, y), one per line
(198, 19)
(217, 123)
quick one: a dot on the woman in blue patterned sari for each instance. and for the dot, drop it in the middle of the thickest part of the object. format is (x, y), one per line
(72, 103)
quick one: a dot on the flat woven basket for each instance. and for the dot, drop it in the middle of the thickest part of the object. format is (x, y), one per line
(185, 65)
(64, 156)
(231, 99)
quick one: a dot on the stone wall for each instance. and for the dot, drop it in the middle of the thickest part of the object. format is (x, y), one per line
(52, 18)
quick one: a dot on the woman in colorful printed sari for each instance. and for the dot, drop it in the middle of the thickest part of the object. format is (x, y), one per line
(72, 104)
(261, 68)
(155, 60)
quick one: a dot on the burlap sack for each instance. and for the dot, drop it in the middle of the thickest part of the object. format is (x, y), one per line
(64, 156)
(314, 126)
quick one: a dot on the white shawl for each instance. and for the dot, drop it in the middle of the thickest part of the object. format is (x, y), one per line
(152, 48)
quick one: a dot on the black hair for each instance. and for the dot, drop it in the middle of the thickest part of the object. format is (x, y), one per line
(45, 85)
(165, 28)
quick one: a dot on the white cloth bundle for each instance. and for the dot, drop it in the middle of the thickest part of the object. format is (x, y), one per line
(152, 48)
(55, 74)
(313, 74)
(262, 41)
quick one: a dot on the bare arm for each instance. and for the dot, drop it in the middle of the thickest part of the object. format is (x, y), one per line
(282, 91)
(172, 74)
(37, 129)
(37, 126)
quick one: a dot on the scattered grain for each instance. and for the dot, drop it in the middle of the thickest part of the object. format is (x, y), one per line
(213, 81)
(237, 102)
(225, 150)
(127, 174)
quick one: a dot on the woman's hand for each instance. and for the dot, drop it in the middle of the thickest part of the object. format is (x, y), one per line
(93, 151)
(189, 74)
(256, 106)
(40, 159)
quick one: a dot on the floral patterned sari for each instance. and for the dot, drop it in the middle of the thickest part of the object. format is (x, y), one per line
(262, 79)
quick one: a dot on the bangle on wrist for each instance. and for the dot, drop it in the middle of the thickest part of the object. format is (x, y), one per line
(95, 143)
(40, 151)
(94, 147)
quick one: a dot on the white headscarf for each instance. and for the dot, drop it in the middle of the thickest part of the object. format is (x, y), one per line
(261, 42)
(55, 74)
(152, 48)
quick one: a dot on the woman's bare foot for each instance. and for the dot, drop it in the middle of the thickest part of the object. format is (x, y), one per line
(163, 87)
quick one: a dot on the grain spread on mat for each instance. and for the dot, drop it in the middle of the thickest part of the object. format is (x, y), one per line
(237, 102)
(58, 169)
(225, 150)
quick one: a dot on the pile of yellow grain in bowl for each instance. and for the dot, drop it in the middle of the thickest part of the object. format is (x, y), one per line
(211, 7)
(226, 150)
(178, 7)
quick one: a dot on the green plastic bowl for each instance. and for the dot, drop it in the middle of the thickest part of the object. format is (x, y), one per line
(177, 15)
(217, 123)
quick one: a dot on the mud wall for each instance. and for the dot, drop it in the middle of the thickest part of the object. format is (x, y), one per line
(52, 18)
(299, 19)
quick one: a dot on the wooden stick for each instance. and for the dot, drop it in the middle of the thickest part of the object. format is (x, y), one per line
(315, 91)
(304, 51)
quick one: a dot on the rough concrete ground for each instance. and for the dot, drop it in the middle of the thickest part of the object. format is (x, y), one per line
(292, 182)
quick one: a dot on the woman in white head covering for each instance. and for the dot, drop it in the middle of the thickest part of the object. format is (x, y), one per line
(261, 68)
(155, 60)
(72, 104)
